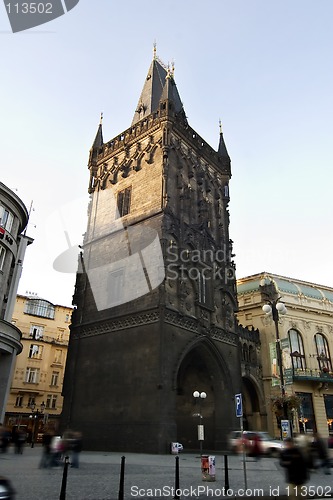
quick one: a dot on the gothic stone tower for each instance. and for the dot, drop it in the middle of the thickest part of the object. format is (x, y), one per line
(155, 293)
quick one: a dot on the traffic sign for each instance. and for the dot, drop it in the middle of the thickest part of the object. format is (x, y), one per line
(239, 405)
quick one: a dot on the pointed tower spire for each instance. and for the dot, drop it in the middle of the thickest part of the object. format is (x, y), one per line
(159, 85)
(222, 150)
(98, 142)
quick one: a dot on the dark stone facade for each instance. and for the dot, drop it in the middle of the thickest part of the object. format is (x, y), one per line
(136, 357)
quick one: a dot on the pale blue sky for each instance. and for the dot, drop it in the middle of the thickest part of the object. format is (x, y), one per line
(263, 67)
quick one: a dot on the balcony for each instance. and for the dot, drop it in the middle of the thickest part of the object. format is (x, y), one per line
(312, 375)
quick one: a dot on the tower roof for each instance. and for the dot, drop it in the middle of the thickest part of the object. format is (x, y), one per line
(222, 149)
(98, 142)
(159, 85)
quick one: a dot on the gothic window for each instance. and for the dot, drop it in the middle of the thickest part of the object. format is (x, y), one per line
(245, 353)
(296, 350)
(124, 201)
(252, 355)
(202, 288)
(203, 280)
(323, 353)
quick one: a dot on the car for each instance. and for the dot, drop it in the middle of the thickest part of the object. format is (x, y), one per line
(7, 491)
(270, 446)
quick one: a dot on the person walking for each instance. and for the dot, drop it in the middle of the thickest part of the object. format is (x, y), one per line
(294, 462)
(46, 455)
(320, 449)
(256, 448)
(75, 448)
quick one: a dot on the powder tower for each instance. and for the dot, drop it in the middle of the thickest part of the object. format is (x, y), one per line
(155, 296)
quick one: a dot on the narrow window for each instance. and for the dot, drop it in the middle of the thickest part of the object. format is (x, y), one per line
(58, 356)
(296, 350)
(124, 201)
(19, 400)
(116, 286)
(36, 332)
(323, 353)
(2, 256)
(32, 375)
(35, 351)
(6, 219)
(54, 378)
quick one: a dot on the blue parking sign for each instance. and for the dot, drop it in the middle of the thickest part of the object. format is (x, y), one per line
(239, 405)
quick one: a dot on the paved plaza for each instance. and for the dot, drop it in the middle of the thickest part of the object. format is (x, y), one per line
(149, 476)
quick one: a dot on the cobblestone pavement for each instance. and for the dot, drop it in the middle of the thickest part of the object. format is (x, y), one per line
(150, 476)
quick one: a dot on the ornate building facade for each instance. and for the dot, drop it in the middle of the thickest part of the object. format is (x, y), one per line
(155, 296)
(305, 334)
(39, 369)
(13, 243)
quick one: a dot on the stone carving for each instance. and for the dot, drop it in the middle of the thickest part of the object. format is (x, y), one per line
(182, 321)
(120, 324)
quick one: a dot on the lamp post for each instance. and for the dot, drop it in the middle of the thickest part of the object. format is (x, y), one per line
(275, 307)
(35, 416)
(200, 396)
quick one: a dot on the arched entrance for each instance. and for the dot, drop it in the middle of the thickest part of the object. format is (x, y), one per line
(252, 417)
(203, 369)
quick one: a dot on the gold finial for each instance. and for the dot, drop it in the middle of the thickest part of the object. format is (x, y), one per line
(101, 118)
(220, 125)
(155, 50)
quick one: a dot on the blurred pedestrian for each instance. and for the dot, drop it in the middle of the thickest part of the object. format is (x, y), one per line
(75, 449)
(58, 448)
(256, 447)
(320, 450)
(20, 439)
(293, 461)
(303, 441)
(46, 458)
(5, 438)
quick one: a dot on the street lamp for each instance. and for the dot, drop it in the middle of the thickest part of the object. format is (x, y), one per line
(35, 416)
(200, 396)
(275, 307)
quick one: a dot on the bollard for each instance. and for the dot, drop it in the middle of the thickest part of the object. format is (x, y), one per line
(226, 473)
(177, 480)
(122, 479)
(64, 480)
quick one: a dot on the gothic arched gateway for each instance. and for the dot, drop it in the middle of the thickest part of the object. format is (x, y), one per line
(203, 368)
